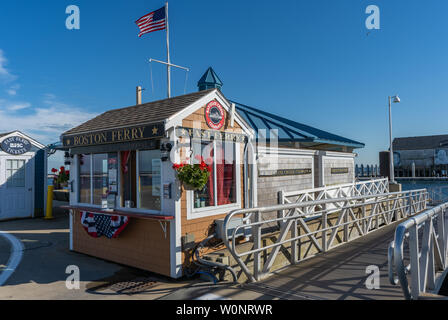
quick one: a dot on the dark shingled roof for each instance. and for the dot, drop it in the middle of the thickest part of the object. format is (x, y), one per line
(140, 114)
(418, 143)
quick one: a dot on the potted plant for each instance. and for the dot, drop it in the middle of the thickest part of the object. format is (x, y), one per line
(62, 178)
(193, 176)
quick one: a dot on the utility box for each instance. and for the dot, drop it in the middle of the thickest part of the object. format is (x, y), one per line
(233, 224)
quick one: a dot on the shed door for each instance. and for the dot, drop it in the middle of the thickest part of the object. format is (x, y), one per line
(16, 190)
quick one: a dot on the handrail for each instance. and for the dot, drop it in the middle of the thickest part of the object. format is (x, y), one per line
(359, 183)
(428, 245)
(382, 181)
(363, 213)
(361, 188)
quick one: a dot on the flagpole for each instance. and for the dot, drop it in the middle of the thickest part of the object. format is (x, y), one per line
(168, 51)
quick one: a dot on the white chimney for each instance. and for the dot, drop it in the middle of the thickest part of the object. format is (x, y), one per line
(139, 95)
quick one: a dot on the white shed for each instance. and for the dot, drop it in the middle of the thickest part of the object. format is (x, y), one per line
(22, 176)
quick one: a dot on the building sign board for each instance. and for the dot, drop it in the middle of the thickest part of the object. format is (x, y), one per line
(16, 145)
(208, 135)
(214, 115)
(339, 170)
(288, 172)
(129, 134)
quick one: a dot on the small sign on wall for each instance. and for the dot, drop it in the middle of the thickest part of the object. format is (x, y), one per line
(339, 170)
(214, 115)
(288, 172)
(16, 145)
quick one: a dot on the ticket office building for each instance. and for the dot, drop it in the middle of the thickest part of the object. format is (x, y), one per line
(123, 166)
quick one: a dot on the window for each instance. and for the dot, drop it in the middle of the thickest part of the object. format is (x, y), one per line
(150, 180)
(15, 173)
(100, 183)
(135, 181)
(84, 178)
(221, 188)
(94, 177)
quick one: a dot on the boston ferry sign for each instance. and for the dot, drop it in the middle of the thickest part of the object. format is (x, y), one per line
(129, 134)
(16, 145)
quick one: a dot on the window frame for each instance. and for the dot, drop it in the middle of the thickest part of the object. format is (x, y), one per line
(197, 213)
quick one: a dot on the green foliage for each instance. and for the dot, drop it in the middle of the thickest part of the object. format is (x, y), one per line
(195, 175)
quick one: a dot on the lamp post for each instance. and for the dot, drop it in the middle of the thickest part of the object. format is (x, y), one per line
(391, 153)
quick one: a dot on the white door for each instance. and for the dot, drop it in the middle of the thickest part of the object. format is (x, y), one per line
(16, 187)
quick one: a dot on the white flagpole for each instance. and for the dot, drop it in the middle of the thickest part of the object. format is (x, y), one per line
(168, 50)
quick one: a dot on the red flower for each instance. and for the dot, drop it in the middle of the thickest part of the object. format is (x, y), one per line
(62, 169)
(178, 166)
(54, 170)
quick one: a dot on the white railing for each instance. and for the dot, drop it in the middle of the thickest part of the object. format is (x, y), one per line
(438, 195)
(427, 239)
(362, 188)
(323, 230)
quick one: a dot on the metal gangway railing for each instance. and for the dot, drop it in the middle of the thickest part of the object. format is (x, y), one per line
(438, 195)
(422, 241)
(356, 217)
(361, 188)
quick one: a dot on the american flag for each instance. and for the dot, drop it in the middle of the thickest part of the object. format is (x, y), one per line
(153, 21)
(98, 225)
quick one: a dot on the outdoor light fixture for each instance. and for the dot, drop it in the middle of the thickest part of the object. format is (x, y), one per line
(391, 150)
(67, 158)
(165, 150)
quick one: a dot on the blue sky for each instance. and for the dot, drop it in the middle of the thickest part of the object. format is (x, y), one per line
(308, 60)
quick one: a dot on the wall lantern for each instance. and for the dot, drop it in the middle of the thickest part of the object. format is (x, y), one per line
(67, 158)
(165, 150)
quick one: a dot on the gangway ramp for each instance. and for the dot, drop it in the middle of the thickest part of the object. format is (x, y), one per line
(339, 274)
(323, 249)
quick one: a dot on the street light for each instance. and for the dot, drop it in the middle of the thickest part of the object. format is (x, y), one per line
(391, 153)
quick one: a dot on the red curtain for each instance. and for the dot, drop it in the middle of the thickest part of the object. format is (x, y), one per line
(210, 186)
(224, 178)
(124, 161)
(228, 183)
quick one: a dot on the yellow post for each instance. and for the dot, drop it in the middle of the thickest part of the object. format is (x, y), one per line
(49, 213)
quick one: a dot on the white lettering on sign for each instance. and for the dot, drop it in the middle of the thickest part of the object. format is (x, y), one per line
(16, 145)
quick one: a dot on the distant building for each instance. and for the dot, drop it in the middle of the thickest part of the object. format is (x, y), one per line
(421, 156)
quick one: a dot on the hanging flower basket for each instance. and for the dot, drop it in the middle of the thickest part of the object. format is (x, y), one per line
(193, 176)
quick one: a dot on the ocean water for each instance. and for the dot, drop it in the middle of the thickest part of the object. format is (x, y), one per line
(437, 189)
